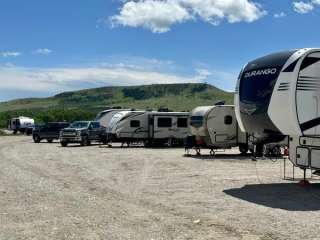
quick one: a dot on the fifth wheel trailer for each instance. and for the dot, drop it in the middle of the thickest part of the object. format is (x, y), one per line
(151, 128)
(279, 95)
(216, 127)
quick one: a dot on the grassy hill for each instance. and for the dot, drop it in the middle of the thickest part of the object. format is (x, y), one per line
(85, 104)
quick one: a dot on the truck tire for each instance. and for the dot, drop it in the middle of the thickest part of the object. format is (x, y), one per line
(36, 138)
(243, 148)
(64, 144)
(84, 141)
(49, 140)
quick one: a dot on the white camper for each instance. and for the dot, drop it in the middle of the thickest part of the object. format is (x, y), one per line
(151, 128)
(216, 127)
(105, 116)
(20, 124)
(279, 95)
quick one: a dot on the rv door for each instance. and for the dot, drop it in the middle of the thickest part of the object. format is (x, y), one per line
(163, 127)
(222, 127)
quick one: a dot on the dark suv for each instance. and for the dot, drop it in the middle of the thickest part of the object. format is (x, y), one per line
(83, 132)
(49, 131)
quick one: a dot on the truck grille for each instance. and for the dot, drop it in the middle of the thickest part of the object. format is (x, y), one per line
(69, 133)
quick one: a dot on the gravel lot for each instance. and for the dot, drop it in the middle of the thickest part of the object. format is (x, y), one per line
(49, 192)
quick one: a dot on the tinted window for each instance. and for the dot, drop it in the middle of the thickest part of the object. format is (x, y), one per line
(64, 125)
(134, 123)
(165, 122)
(228, 120)
(259, 77)
(79, 125)
(95, 125)
(196, 121)
(54, 127)
(182, 122)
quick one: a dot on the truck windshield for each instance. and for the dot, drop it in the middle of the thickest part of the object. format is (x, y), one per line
(79, 125)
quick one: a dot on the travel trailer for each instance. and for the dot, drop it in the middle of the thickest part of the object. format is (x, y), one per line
(20, 124)
(151, 128)
(279, 95)
(105, 116)
(216, 127)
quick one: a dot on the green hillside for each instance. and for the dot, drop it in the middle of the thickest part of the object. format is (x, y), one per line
(85, 104)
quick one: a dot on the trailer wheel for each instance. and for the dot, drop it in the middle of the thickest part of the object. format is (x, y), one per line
(198, 151)
(243, 148)
(15, 131)
(212, 152)
(276, 151)
(259, 150)
(147, 144)
(36, 139)
(64, 144)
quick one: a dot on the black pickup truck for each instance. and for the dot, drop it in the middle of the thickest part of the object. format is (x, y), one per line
(83, 132)
(49, 131)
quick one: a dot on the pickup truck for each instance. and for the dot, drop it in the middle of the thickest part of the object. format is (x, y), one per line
(83, 132)
(49, 131)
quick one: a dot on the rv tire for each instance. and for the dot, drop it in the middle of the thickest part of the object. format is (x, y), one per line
(243, 148)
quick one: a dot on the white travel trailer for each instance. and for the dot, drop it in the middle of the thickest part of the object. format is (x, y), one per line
(280, 95)
(105, 116)
(20, 124)
(216, 127)
(151, 128)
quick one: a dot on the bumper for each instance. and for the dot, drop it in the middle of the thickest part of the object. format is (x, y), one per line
(75, 139)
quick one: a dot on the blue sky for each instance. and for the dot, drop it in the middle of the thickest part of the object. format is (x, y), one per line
(47, 47)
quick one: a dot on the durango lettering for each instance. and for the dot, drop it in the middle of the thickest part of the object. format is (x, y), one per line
(267, 71)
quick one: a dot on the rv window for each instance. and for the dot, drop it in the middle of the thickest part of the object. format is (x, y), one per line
(134, 123)
(182, 123)
(196, 121)
(164, 122)
(228, 120)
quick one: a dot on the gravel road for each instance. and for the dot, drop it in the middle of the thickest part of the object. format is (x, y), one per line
(50, 192)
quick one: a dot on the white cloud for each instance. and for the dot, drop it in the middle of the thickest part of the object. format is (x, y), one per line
(55, 80)
(10, 54)
(316, 2)
(159, 15)
(303, 7)
(43, 51)
(279, 15)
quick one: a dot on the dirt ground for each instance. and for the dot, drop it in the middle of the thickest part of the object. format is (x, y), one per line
(50, 192)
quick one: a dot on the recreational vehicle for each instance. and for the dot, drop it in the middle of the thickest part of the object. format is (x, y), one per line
(279, 95)
(105, 116)
(151, 128)
(216, 127)
(20, 124)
